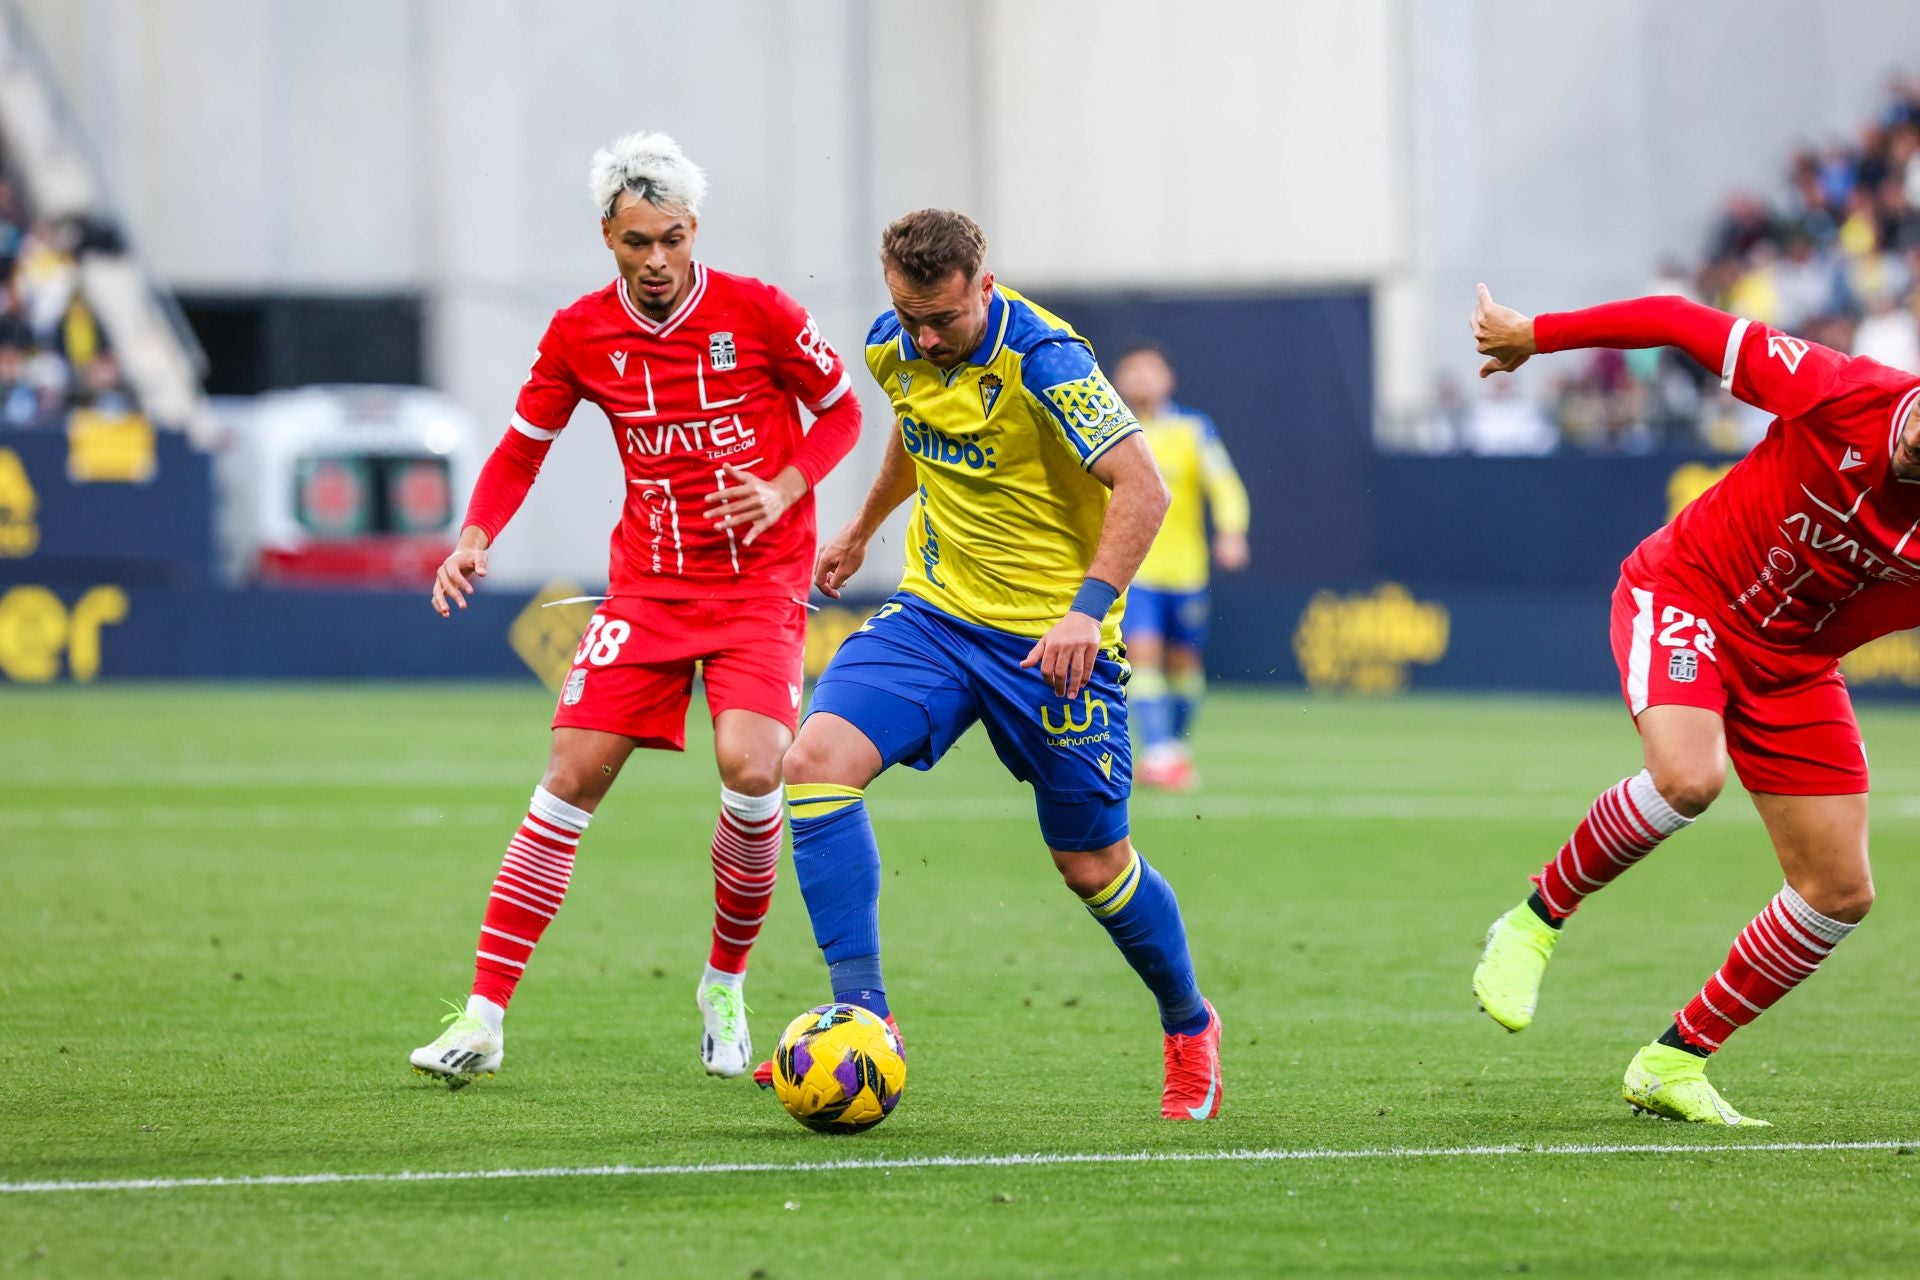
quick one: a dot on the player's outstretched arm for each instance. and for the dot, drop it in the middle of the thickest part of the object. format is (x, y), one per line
(843, 554)
(1631, 324)
(1065, 655)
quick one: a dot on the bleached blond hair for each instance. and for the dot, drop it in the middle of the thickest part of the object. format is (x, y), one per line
(652, 167)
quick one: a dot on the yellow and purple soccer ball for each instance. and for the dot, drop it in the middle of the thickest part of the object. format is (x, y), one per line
(839, 1069)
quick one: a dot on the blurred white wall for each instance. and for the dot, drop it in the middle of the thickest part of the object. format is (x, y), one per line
(1169, 143)
(440, 145)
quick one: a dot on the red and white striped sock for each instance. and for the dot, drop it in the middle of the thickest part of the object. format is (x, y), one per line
(1775, 953)
(746, 862)
(527, 893)
(1622, 827)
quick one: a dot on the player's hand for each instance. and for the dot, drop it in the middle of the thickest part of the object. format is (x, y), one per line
(840, 559)
(1065, 654)
(1230, 551)
(1502, 333)
(456, 577)
(754, 502)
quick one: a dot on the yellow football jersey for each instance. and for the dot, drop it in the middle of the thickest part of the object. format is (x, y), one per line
(1007, 517)
(1204, 483)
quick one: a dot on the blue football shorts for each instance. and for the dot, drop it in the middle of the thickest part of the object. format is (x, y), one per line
(915, 678)
(1178, 617)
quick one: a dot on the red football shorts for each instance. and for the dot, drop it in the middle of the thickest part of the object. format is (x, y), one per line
(1791, 739)
(633, 671)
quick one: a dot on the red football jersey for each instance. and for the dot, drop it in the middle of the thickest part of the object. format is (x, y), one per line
(1810, 546)
(714, 383)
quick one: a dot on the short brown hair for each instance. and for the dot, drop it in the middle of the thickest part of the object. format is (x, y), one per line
(928, 245)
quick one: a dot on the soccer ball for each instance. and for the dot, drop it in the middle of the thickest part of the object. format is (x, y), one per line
(839, 1069)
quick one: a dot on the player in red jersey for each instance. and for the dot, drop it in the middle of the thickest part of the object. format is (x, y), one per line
(1728, 627)
(698, 373)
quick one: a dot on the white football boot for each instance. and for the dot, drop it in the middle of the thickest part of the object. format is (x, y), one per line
(726, 1050)
(466, 1051)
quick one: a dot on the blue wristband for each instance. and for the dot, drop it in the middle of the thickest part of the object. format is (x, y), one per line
(1095, 598)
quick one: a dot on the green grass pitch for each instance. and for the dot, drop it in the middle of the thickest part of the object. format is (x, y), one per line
(230, 912)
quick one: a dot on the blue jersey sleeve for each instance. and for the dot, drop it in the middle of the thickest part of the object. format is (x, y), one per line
(1069, 385)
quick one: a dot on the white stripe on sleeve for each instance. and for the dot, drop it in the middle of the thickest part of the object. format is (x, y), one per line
(527, 429)
(840, 388)
(1727, 362)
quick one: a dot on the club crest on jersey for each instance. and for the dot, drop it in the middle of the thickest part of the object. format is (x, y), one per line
(619, 359)
(906, 382)
(720, 352)
(1789, 350)
(576, 685)
(1683, 666)
(989, 391)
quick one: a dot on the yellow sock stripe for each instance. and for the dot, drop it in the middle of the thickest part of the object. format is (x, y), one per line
(1116, 895)
(818, 799)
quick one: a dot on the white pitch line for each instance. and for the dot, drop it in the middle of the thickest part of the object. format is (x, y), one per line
(941, 1162)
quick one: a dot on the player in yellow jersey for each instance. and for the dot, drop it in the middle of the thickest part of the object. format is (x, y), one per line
(1035, 498)
(1167, 607)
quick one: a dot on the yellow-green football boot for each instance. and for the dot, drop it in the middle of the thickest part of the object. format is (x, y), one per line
(1507, 982)
(1669, 1082)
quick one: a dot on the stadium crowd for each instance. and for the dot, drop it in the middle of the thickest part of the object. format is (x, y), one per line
(54, 356)
(1835, 259)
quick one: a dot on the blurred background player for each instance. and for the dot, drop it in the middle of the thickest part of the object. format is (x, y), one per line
(1728, 627)
(698, 372)
(1036, 498)
(1167, 606)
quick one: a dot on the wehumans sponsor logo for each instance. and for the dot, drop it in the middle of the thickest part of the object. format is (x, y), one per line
(1076, 730)
(923, 441)
(1082, 740)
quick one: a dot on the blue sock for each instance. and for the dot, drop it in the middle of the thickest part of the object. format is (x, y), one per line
(1149, 708)
(837, 863)
(1143, 916)
(1186, 691)
(858, 981)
